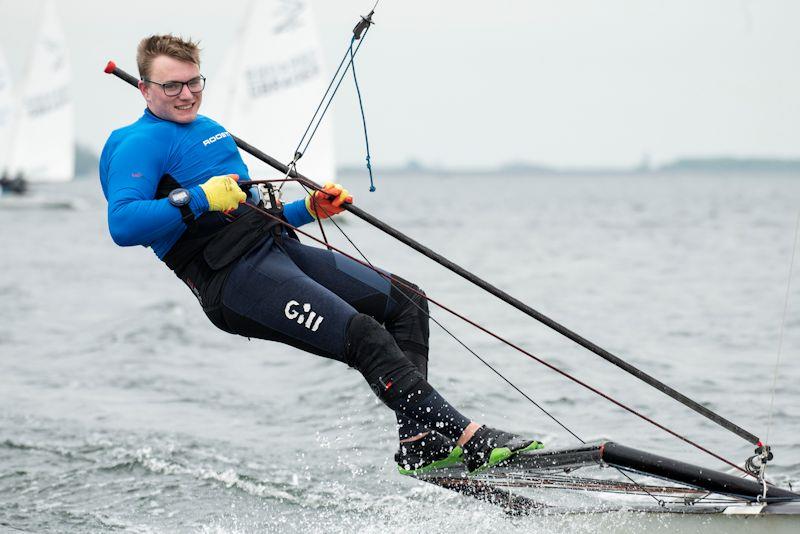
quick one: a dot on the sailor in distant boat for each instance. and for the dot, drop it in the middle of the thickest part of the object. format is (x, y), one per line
(17, 185)
(170, 179)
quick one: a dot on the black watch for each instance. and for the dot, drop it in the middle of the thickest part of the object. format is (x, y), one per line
(180, 199)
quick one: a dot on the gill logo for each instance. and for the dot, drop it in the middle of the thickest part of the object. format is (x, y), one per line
(307, 318)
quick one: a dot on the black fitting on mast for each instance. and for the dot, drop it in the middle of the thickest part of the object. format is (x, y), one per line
(756, 465)
(362, 25)
(765, 452)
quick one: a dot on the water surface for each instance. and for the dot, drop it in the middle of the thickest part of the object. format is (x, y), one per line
(123, 409)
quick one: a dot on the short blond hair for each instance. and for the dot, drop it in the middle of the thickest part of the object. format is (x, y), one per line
(165, 45)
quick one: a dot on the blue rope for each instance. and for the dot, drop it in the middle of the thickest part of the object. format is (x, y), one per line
(363, 116)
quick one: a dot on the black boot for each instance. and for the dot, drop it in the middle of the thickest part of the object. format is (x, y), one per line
(489, 446)
(433, 451)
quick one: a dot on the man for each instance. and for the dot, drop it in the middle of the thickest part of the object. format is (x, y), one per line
(170, 180)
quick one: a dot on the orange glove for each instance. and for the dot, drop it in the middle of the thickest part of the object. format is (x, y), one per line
(328, 201)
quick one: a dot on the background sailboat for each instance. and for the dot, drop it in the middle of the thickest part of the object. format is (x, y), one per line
(270, 83)
(6, 114)
(42, 146)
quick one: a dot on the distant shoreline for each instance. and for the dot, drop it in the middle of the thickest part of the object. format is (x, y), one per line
(86, 164)
(720, 165)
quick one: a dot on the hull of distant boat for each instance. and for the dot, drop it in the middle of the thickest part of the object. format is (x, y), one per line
(38, 202)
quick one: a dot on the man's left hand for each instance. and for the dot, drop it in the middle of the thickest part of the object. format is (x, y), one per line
(322, 204)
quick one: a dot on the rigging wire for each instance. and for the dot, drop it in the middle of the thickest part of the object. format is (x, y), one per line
(316, 111)
(783, 329)
(333, 93)
(516, 347)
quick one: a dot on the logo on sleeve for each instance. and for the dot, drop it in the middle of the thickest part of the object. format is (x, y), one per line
(215, 138)
(308, 318)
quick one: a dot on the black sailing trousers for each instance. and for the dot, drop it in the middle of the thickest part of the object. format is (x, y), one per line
(308, 297)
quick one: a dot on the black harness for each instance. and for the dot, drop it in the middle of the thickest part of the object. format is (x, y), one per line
(218, 239)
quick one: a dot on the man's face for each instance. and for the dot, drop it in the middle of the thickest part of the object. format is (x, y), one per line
(181, 108)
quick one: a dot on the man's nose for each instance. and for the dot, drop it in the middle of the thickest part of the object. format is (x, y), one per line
(185, 92)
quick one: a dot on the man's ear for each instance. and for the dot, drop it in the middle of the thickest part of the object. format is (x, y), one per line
(144, 89)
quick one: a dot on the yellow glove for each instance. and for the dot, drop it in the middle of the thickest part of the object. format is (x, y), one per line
(328, 201)
(223, 193)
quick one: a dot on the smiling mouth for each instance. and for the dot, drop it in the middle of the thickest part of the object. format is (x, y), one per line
(184, 108)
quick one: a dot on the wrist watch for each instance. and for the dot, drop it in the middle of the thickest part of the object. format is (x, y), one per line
(180, 199)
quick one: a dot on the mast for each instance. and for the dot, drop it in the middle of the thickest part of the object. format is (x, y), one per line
(111, 68)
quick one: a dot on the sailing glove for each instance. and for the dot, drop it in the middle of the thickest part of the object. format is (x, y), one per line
(223, 193)
(322, 204)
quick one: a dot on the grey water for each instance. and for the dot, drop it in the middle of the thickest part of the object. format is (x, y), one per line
(123, 409)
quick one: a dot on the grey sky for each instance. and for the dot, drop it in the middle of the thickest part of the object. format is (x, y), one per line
(466, 82)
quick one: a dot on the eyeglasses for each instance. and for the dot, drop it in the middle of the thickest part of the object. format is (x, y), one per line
(195, 85)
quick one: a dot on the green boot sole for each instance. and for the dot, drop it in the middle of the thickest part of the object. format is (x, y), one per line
(454, 458)
(501, 454)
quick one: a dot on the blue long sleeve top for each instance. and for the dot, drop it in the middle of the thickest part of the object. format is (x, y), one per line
(135, 158)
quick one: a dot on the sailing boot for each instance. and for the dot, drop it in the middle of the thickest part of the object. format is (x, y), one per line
(489, 446)
(433, 451)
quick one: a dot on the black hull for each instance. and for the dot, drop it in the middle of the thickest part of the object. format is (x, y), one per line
(617, 455)
(613, 455)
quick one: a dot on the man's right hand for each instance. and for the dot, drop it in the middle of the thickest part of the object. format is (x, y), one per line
(223, 193)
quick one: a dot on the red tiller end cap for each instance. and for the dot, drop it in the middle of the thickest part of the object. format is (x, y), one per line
(110, 67)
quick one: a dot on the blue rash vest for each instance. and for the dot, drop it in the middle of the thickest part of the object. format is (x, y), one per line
(137, 156)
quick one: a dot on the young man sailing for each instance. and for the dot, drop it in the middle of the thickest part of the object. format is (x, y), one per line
(170, 179)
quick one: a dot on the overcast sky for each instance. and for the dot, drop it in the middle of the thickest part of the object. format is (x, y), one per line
(468, 82)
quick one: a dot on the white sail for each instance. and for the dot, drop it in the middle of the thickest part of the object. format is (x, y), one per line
(271, 83)
(6, 112)
(43, 140)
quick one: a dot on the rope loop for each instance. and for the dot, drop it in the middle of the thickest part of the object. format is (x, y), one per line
(363, 116)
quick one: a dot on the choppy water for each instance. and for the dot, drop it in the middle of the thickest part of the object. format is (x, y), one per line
(122, 409)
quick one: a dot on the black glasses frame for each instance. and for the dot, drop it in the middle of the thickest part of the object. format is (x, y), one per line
(180, 90)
